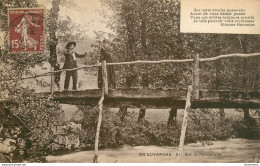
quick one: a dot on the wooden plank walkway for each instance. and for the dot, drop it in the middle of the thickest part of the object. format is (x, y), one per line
(160, 98)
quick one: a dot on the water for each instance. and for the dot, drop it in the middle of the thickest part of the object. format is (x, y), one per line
(230, 151)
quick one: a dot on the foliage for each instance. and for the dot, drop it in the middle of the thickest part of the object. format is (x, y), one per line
(203, 126)
(150, 30)
(247, 128)
(207, 125)
(35, 110)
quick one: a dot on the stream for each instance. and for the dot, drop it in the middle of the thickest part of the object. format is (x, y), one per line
(228, 151)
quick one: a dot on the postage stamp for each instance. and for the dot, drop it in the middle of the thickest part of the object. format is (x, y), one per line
(26, 30)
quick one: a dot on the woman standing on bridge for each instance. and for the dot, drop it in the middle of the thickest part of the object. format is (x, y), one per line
(70, 63)
(104, 55)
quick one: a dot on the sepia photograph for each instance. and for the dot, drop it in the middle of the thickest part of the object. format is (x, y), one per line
(129, 81)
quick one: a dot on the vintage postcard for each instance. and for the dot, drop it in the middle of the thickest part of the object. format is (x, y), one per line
(129, 81)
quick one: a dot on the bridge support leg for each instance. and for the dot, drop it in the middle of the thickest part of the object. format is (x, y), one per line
(246, 113)
(221, 115)
(172, 117)
(185, 120)
(104, 76)
(141, 115)
(122, 113)
(195, 76)
(52, 69)
(100, 106)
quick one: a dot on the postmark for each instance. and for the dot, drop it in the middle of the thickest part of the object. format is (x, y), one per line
(26, 30)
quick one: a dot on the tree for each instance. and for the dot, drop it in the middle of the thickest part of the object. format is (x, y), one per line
(150, 30)
(33, 109)
(53, 17)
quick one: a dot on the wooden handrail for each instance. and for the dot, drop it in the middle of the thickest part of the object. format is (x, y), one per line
(165, 61)
(229, 56)
(146, 62)
(186, 60)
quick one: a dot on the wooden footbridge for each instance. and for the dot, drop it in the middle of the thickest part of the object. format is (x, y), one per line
(192, 97)
(161, 98)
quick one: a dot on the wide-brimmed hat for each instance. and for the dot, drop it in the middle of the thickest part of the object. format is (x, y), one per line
(70, 43)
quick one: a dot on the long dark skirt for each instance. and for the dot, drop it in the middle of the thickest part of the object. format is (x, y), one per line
(110, 77)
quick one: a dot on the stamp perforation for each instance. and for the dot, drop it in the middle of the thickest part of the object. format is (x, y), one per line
(42, 37)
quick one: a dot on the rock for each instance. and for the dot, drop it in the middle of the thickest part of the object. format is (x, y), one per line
(18, 130)
(21, 152)
(54, 146)
(36, 160)
(32, 150)
(89, 146)
(4, 95)
(45, 123)
(7, 134)
(50, 123)
(83, 146)
(72, 141)
(21, 143)
(1, 127)
(7, 146)
(69, 112)
(15, 132)
(4, 148)
(78, 116)
(59, 129)
(60, 139)
(4, 159)
(74, 128)
(12, 131)
(9, 141)
(14, 136)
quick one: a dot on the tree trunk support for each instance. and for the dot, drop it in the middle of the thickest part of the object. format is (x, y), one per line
(52, 69)
(185, 121)
(172, 117)
(195, 77)
(100, 106)
(246, 113)
(141, 115)
(104, 75)
(221, 115)
(122, 113)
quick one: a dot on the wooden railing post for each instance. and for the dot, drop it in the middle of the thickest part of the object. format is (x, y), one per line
(195, 76)
(104, 92)
(217, 65)
(185, 120)
(52, 69)
(217, 86)
(104, 76)
(100, 106)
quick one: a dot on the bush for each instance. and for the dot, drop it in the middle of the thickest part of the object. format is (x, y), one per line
(248, 128)
(206, 125)
(203, 126)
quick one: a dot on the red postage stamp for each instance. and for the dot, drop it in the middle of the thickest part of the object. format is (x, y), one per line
(26, 30)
